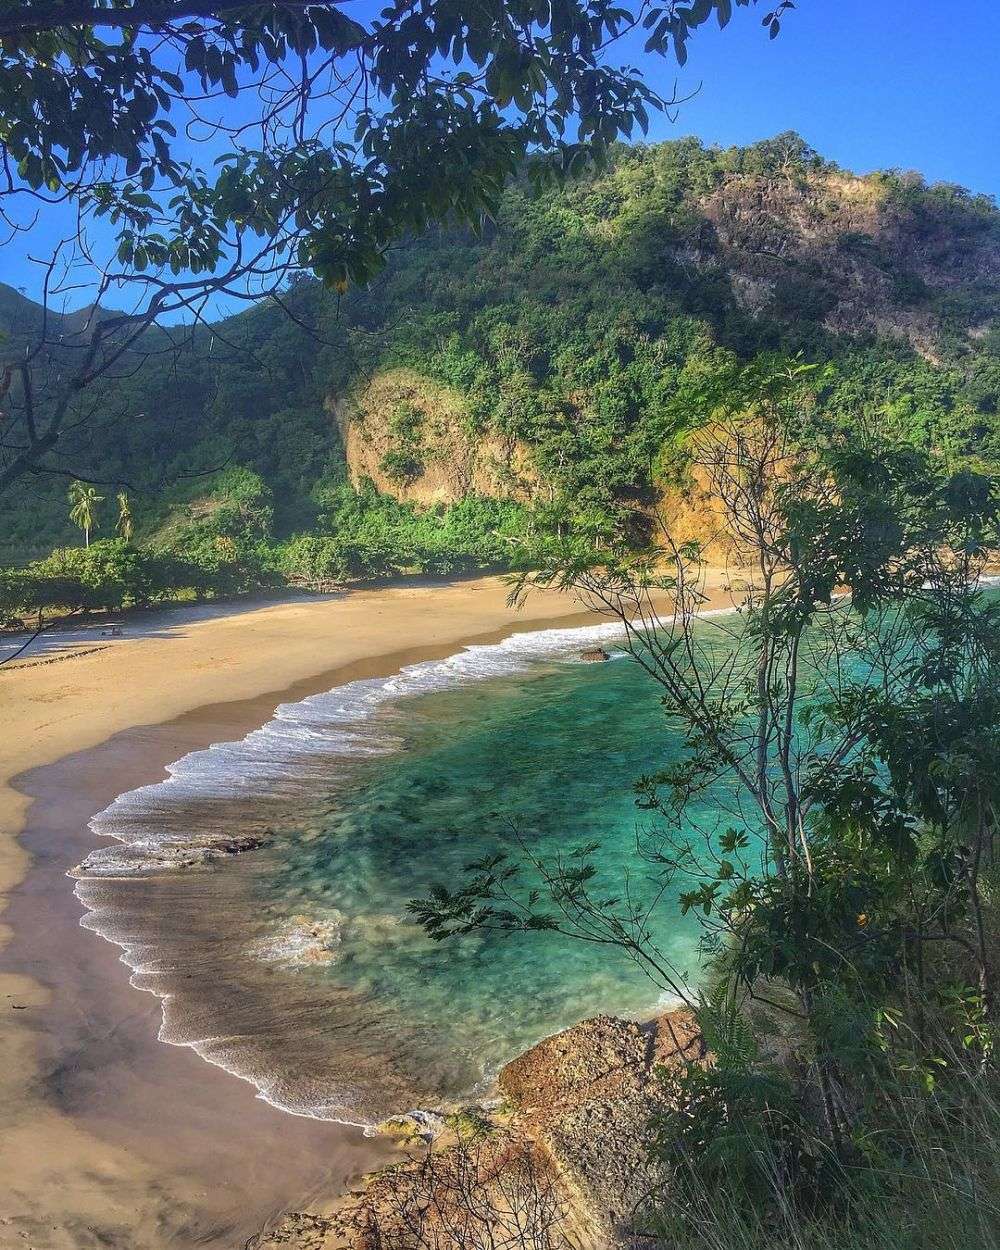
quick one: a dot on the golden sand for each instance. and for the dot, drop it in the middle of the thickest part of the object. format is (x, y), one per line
(161, 1149)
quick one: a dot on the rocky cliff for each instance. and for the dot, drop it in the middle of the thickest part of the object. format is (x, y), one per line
(412, 438)
(560, 1161)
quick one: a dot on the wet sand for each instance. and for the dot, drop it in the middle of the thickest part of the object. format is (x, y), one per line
(119, 1139)
(107, 1136)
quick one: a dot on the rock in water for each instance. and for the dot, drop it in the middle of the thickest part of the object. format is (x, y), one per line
(595, 655)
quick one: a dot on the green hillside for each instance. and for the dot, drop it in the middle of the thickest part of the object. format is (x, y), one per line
(578, 339)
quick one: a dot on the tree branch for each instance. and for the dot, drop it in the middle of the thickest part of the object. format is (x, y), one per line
(155, 15)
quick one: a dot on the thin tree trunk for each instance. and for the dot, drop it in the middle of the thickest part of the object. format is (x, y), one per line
(972, 874)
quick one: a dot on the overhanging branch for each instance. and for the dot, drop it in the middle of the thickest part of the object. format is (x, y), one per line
(154, 16)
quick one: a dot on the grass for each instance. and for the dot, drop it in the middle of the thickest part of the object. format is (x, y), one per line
(927, 1179)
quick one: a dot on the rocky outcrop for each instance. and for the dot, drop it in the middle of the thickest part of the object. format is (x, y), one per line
(846, 251)
(300, 1230)
(563, 1162)
(588, 1095)
(411, 437)
(595, 655)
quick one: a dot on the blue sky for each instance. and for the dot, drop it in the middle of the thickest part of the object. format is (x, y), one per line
(870, 84)
(909, 84)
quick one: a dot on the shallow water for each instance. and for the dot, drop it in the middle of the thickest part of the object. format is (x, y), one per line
(298, 965)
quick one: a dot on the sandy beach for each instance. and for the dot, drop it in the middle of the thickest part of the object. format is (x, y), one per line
(107, 1136)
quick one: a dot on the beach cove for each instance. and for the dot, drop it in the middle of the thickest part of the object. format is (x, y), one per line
(110, 1137)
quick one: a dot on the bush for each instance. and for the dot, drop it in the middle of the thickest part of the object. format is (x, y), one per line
(109, 575)
(314, 558)
(402, 467)
(22, 593)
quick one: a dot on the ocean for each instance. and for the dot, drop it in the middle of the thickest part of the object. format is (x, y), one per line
(297, 965)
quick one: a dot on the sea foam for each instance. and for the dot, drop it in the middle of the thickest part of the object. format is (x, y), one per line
(173, 823)
(311, 733)
(149, 830)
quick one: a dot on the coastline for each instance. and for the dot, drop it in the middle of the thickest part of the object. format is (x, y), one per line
(87, 1078)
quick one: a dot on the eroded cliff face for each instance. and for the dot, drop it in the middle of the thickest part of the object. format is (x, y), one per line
(561, 1162)
(836, 249)
(412, 438)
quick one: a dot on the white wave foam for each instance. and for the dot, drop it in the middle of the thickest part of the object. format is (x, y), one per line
(301, 736)
(320, 728)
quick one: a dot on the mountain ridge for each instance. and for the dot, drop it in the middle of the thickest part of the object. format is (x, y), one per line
(586, 329)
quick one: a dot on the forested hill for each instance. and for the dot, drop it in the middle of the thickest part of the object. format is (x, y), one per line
(556, 360)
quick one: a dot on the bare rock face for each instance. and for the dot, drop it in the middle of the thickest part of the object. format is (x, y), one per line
(565, 1167)
(402, 411)
(478, 1193)
(595, 655)
(588, 1095)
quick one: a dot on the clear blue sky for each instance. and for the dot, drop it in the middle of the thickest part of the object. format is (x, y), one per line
(871, 84)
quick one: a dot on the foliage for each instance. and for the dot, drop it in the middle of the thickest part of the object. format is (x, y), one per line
(845, 723)
(84, 503)
(442, 106)
(575, 327)
(109, 574)
(938, 1193)
(226, 546)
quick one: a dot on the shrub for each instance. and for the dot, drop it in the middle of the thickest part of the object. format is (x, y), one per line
(402, 467)
(313, 557)
(109, 574)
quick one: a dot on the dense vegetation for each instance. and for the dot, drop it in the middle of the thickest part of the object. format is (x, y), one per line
(593, 328)
(846, 882)
(230, 551)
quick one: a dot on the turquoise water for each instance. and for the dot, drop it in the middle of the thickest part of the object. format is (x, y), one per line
(546, 759)
(299, 966)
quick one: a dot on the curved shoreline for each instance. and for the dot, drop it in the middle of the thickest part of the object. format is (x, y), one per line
(83, 1086)
(167, 853)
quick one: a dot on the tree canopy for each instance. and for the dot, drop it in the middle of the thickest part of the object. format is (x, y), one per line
(217, 150)
(345, 133)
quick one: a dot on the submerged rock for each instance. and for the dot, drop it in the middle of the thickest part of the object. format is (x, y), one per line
(301, 942)
(595, 655)
(238, 845)
(193, 852)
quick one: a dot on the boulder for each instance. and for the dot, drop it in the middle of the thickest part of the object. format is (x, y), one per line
(587, 1095)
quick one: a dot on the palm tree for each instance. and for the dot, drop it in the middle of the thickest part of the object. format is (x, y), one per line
(83, 512)
(126, 522)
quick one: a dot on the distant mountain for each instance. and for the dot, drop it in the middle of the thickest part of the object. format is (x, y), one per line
(562, 354)
(21, 317)
(15, 308)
